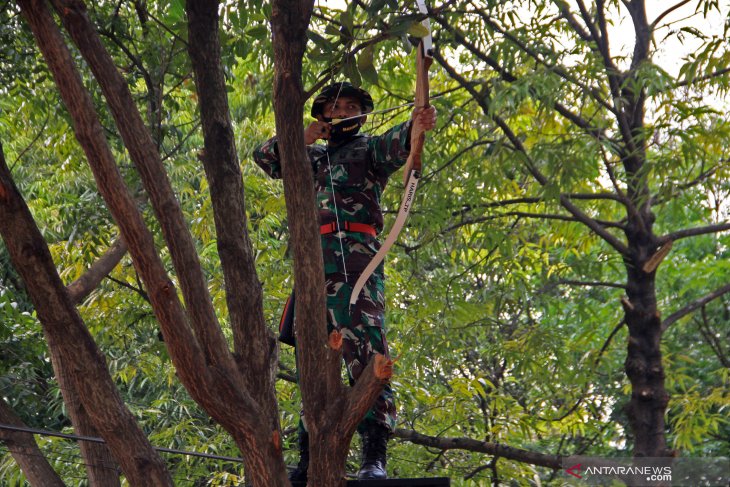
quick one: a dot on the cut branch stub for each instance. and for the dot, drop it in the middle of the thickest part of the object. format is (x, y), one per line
(657, 258)
(383, 367)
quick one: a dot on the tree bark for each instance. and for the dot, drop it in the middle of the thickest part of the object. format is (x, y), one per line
(244, 294)
(72, 344)
(90, 280)
(101, 467)
(202, 360)
(26, 453)
(332, 410)
(643, 365)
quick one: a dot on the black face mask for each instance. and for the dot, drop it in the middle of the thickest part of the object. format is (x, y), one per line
(344, 130)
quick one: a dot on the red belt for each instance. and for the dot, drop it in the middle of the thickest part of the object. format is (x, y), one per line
(348, 227)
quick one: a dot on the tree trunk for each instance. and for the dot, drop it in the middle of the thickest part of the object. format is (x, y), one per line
(26, 453)
(333, 411)
(220, 384)
(643, 364)
(101, 468)
(71, 341)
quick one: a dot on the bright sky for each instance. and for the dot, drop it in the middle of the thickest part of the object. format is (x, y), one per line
(671, 51)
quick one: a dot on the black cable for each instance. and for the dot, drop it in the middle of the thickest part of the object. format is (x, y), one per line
(94, 439)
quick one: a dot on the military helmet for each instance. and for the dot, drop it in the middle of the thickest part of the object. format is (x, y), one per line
(336, 90)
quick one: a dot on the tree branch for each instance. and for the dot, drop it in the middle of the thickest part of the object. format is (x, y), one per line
(537, 199)
(84, 285)
(529, 164)
(591, 283)
(244, 294)
(577, 120)
(690, 184)
(573, 22)
(694, 306)
(693, 232)
(73, 347)
(716, 74)
(468, 444)
(711, 336)
(25, 451)
(668, 11)
(559, 70)
(143, 152)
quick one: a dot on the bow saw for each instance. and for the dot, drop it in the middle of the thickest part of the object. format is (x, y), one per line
(412, 171)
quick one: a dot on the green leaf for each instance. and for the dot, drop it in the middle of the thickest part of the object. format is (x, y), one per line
(319, 41)
(401, 26)
(347, 24)
(366, 66)
(332, 30)
(417, 29)
(351, 72)
(375, 6)
(259, 32)
(176, 11)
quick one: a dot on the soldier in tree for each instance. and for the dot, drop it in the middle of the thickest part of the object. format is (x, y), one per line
(350, 173)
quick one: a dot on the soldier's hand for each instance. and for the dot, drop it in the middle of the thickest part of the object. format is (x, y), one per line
(424, 118)
(316, 130)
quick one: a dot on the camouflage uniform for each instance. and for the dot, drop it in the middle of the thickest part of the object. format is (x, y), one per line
(360, 168)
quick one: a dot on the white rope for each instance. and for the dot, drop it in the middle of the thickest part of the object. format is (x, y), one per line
(334, 195)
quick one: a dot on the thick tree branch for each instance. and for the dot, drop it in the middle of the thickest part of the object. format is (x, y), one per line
(693, 232)
(253, 342)
(529, 164)
(25, 451)
(84, 285)
(363, 394)
(313, 357)
(468, 444)
(73, 347)
(326, 404)
(146, 158)
(694, 306)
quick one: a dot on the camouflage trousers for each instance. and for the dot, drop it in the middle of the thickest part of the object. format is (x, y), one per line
(363, 335)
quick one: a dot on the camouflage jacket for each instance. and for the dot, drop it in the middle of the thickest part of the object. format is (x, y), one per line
(349, 181)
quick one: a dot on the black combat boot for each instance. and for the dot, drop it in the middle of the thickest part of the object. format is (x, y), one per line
(299, 474)
(374, 450)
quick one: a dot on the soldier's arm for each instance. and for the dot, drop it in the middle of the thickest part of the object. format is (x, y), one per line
(389, 151)
(266, 156)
